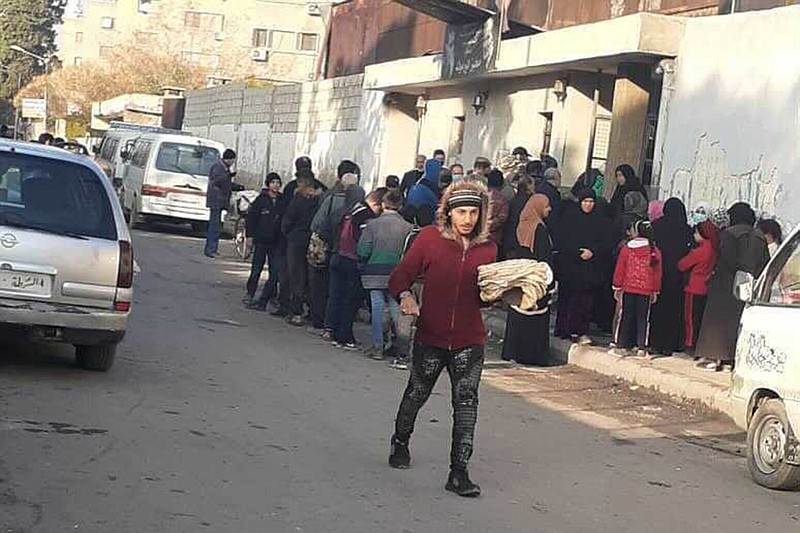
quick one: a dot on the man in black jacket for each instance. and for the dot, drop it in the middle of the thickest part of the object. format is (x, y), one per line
(411, 177)
(264, 231)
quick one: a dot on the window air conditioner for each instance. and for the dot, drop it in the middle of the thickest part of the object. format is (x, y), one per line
(260, 54)
(314, 10)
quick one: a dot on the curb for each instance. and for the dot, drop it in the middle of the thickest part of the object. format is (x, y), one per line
(671, 375)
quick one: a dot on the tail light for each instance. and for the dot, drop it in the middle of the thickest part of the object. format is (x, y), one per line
(154, 190)
(125, 272)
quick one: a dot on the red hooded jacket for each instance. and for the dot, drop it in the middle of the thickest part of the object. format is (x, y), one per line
(634, 273)
(450, 316)
(700, 263)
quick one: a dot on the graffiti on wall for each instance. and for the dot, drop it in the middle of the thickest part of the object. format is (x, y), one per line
(709, 179)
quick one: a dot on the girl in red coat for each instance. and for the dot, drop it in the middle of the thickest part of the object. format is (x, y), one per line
(637, 282)
(699, 263)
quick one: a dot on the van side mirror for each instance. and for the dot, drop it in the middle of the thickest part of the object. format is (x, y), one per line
(124, 154)
(743, 286)
(96, 149)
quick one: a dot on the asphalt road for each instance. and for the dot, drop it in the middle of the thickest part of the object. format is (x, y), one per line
(219, 419)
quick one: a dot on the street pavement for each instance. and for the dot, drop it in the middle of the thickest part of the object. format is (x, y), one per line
(219, 419)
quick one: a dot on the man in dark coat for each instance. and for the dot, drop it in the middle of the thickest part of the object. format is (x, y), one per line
(218, 198)
(411, 177)
(741, 247)
(264, 230)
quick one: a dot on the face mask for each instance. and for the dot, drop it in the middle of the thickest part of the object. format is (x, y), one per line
(699, 217)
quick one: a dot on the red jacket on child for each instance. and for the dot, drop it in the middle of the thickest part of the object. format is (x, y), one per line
(700, 263)
(634, 273)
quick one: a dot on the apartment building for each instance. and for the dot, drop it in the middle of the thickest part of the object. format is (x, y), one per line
(276, 41)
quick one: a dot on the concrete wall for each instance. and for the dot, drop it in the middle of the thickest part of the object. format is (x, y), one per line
(730, 125)
(328, 121)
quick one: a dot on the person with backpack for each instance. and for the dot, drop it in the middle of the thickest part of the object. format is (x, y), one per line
(264, 230)
(637, 284)
(380, 249)
(699, 263)
(426, 191)
(346, 292)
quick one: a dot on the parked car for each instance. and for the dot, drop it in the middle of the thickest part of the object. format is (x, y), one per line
(66, 260)
(166, 178)
(766, 381)
(108, 155)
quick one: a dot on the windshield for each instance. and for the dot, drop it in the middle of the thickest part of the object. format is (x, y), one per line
(53, 196)
(187, 158)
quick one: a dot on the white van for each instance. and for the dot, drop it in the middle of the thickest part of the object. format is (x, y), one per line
(766, 382)
(108, 155)
(166, 178)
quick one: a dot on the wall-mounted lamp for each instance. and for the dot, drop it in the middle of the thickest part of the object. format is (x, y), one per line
(560, 89)
(479, 102)
(422, 105)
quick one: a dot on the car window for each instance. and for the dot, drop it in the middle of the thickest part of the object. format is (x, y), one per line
(54, 196)
(784, 284)
(186, 158)
(141, 154)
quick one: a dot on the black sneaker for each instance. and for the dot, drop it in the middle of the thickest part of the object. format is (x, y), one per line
(460, 483)
(400, 457)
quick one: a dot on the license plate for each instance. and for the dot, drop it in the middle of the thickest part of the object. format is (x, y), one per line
(26, 283)
(187, 199)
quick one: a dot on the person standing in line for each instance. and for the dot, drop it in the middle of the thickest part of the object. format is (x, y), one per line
(626, 182)
(515, 208)
(218, 198)
(582, 242)
(301, 164)
(741, 247)
(440, 156)
(392, 182)
(699, 263)
(411, 177)
(527, 337)
(450, 332)
(426, 191)
(637, 284)
(772, 233)
(549, 187)
(498, 207)
(674, 238)
(346, 292)
(480, 169)
(457, 170)
(296, 227)
(380, 249)
(266, 240)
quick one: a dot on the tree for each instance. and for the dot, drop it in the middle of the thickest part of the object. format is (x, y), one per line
(31, 25)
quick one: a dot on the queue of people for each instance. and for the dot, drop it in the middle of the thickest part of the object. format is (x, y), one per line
(654, 277)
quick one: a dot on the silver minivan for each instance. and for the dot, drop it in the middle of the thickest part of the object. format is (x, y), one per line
(166, 178)
(766, 381)
(66, 260)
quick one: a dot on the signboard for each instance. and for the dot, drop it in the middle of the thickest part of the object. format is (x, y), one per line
(470, 49)
(34, 108)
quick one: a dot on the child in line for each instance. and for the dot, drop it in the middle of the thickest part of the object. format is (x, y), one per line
(699, 263)
(637, 283)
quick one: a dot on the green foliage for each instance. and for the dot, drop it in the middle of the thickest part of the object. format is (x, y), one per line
(31, 25)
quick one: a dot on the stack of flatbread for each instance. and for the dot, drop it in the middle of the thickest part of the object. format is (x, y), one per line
(531, 277)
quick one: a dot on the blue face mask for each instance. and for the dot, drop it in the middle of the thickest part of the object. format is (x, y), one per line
(699, 217)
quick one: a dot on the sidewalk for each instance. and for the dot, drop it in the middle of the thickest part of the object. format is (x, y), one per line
(675, 376)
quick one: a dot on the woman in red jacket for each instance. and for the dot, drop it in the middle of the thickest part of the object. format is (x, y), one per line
(699, 263)
(450, 331)
(637, 282)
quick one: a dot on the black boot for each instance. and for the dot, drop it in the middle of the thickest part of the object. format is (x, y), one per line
(399, 457)
(460, 483)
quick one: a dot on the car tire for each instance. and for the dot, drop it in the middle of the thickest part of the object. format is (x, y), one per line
(766, 439)
(97, 357)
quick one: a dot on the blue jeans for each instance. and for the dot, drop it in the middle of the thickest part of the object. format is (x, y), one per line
(214, 228)
(378, 297)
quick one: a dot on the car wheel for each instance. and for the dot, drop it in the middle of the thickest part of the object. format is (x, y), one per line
(766, 445)
(98, 357)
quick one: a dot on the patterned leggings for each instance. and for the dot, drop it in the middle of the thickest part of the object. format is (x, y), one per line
(464, 367)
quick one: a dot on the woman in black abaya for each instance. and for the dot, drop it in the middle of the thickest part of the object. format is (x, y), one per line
(673, 237)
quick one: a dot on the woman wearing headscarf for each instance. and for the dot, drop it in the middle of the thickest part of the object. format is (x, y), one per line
(583, 254)
(515, 206)
(741, 247)
(626, 182)
(674, 238)
(655, 210)
(604, 304)
(634, 209)
(527, 338)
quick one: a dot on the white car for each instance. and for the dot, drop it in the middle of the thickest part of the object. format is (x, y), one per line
(66, 260)
(766, 381)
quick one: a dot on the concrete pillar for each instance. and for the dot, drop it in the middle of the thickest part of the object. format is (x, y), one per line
(629, 119)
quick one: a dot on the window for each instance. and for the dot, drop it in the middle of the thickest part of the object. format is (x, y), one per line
(107, 23)
(77, 61)
(260, 38)
(141, 153)
(108, 150)
(307, 42)
(197, 20)
(78, 37)
(54, 196)
(784, 285)
(547, 135)
(186, 158)
(282, 40)
(106, 52)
